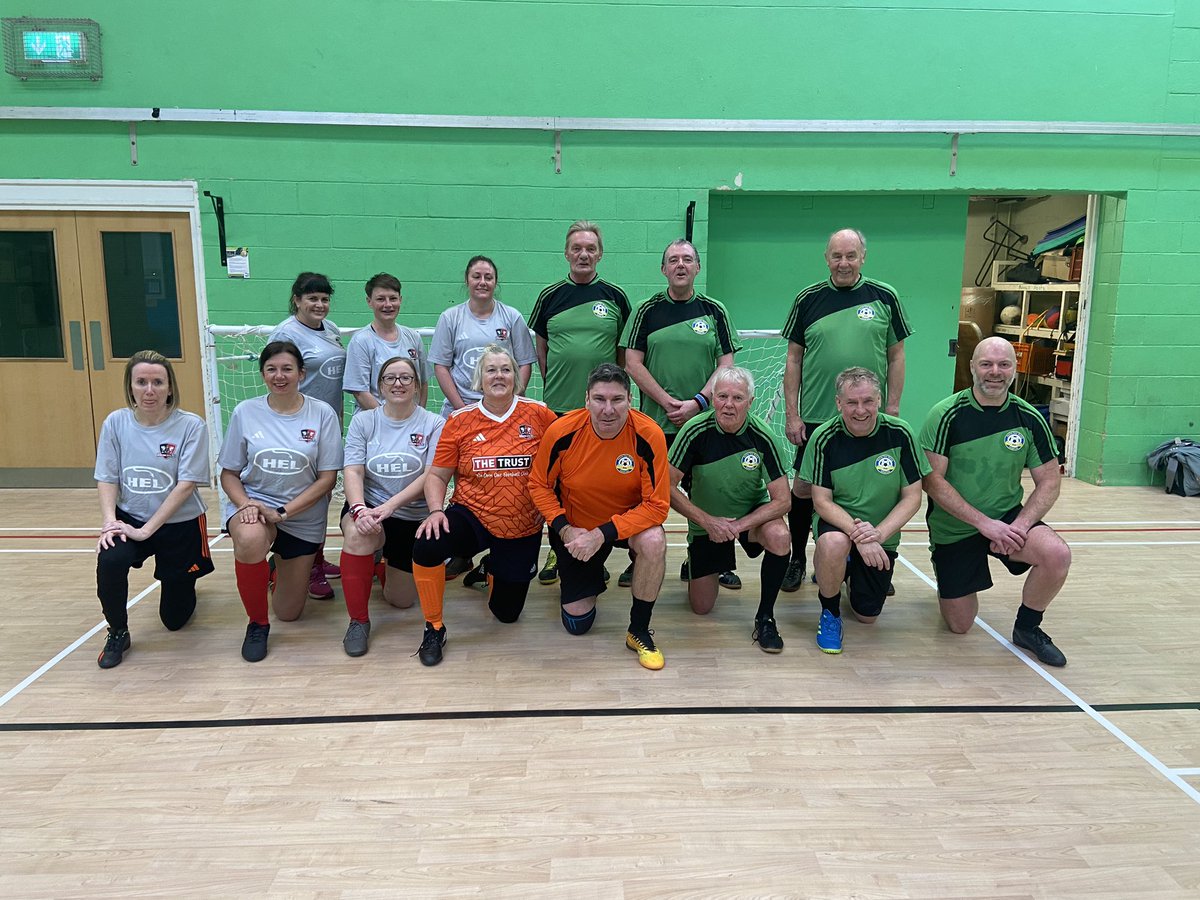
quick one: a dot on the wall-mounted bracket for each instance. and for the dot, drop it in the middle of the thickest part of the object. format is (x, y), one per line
(219, 209)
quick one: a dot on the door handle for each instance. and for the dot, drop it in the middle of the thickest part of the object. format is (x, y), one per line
(97, 335)
(75, 330)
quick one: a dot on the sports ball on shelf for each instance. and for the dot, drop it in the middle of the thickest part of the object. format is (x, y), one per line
(1052, 317)
(1010, 315)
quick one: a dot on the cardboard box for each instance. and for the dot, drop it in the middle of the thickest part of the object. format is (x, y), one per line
(1033, 359)
(1055, 266)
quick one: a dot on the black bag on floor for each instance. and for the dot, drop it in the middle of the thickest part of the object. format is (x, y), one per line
(1180, 460)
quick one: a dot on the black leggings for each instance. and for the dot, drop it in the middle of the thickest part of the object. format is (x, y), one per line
(177, 599)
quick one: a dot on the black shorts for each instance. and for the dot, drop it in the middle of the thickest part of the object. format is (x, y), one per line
(511, 559)
(286, 545)
(707, 557)
(961, 568)
(178, 549)
(809, 428)
(398, 538)
(866, 585)
(581, 579)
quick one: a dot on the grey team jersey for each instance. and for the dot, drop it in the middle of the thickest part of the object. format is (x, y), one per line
(277, 457)
(394, 453)
(367, 352)
(324, 358)
(459, 336)
(147, 463)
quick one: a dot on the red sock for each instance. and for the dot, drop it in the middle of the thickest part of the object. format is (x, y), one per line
(381, 573)
(357, 572)
(252, 581)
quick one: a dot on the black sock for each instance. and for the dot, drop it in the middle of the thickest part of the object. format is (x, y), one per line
(800, 518)
(833, 604)
(1028, 619)
(639, 615)
(770, 576)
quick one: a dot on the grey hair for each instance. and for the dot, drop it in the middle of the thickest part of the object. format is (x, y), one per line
(679, 242)
(848, 378)
(736, 374)
(862, 238)
(496, 350)
(586, 225)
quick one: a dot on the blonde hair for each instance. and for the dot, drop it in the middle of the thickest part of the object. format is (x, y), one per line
(496, 350)
(154, 358)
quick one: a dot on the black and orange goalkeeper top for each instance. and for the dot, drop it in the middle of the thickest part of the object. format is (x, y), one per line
(619, 485)
(490, 456)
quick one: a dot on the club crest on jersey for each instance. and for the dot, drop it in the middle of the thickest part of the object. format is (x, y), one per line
(600, 310)
(308, 435)
(866, 313)
(166, 451)
(412, 353)
(700, 326)
(751, 460)
(885, 465)
(417, 440)
(1014, 441)
(502, 334)
(624, 463)
(525, 432)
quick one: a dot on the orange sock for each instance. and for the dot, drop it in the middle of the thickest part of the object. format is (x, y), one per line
(431, 588)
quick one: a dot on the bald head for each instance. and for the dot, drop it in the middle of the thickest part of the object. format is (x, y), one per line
(993, 370)
(993, 346)
(845, 254)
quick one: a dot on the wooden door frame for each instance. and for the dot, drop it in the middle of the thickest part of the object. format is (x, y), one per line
(80, 195)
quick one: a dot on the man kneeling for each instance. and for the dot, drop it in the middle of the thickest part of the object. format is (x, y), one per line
(600, 479)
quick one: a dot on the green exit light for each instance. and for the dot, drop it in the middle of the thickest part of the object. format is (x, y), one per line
(54, 46)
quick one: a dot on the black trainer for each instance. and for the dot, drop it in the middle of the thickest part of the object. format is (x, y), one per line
(477, 577)
(729, 581)
(114, 649)
(626, 577)
(430, 651)
(254, 647)
(793, 577)
(766, 634)
(1039, 644)
(684, 575)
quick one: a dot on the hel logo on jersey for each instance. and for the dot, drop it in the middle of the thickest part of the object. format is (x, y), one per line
(700, 326)
(1014, 441)
(885, 465)
(417, 440)
(624, 463)
(866, 313)
(501, 463)
(751, 460)
(146, 480)
(166, 451)
(308, 435)
(525, 432)
(502, 334)
(600, 310)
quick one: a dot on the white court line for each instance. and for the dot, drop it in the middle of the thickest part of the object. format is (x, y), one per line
(1170, 774)
(1186, 771)
(78, 642)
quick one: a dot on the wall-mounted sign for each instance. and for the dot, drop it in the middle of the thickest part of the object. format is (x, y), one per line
(42, 49)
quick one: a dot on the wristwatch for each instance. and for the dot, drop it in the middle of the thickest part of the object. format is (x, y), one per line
(282, 511)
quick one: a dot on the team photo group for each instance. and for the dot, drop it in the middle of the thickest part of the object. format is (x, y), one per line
(468, 490)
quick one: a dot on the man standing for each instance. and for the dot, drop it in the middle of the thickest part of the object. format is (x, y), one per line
(577, 323)
(673, 346)
(599, 478)
(737, 489)
(844, 321)
(979, 441)
(865, 469)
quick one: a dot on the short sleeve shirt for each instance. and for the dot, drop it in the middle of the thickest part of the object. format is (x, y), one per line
(581, 324)
(393, 454)
(367, 352)
(726, 474)
(682, 341)
(277, 456)
(460, 336)
(866, 474)
(491, 457)
(324, 358)
(839, 328)
(987, 448)
(146, 462)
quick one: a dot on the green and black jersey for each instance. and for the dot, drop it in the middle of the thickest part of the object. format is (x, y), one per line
(868, 473)
(726, 474)
(581, 324)
(987, 448)
(682, 341)
(839, 328)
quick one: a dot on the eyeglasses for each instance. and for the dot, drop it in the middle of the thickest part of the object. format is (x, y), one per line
(402, 379)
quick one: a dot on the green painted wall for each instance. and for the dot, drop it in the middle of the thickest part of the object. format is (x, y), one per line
(351, 201)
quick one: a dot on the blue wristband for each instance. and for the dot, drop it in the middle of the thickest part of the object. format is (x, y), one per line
(702, 401)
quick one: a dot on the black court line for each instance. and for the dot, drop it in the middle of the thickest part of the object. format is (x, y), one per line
(632, 712)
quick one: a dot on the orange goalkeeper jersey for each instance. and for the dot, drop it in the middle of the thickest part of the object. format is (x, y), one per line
(620, 485)
(490, 456)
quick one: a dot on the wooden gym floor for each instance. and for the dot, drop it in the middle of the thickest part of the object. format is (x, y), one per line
(534, 764)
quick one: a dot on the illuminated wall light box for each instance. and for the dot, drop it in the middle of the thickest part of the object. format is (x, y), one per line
(49, 49)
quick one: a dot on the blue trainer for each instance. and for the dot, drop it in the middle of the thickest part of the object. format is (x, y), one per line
(829, 633)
